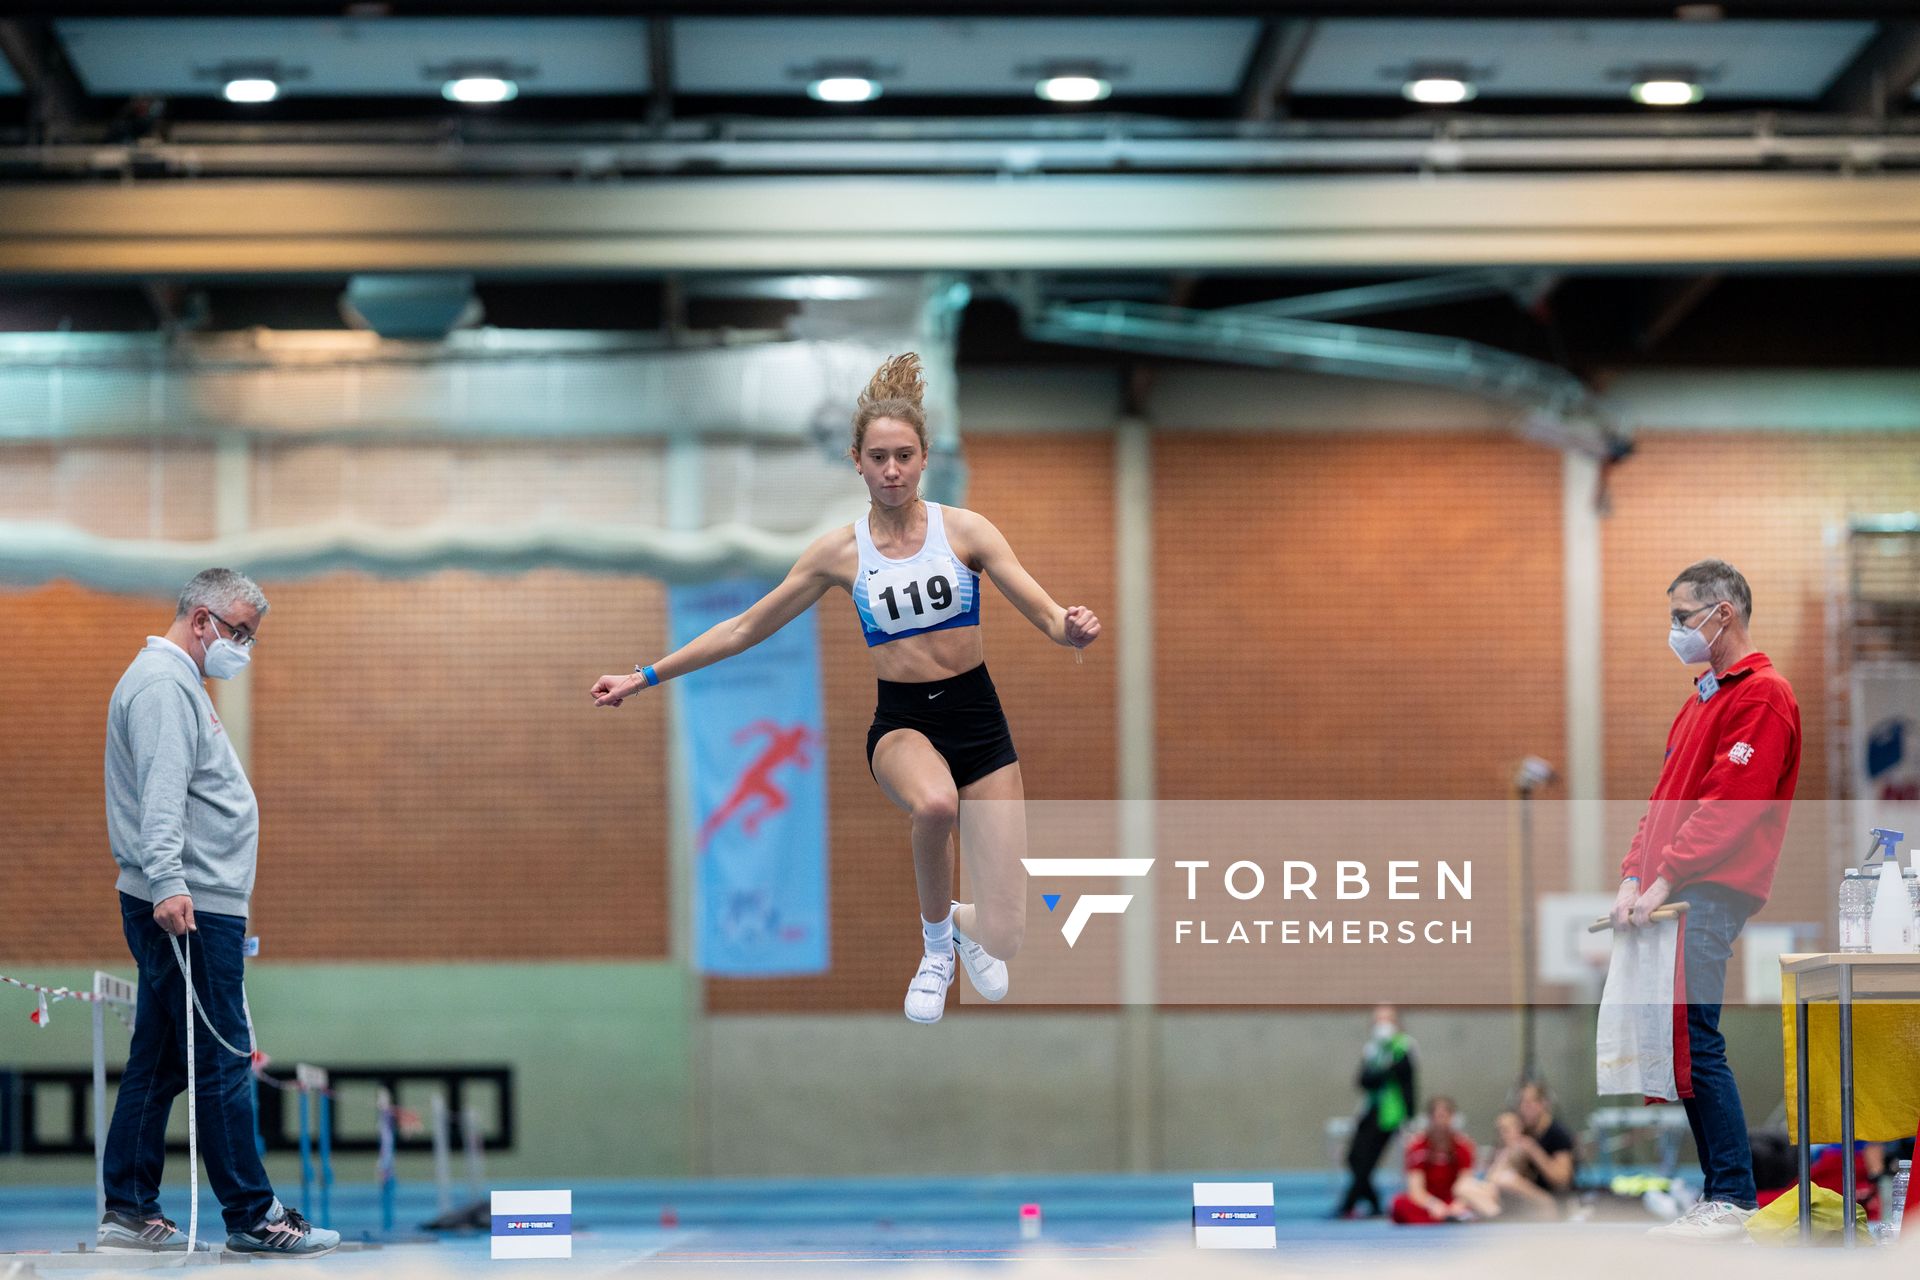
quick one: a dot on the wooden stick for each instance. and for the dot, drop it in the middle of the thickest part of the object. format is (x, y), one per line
(1667, 912)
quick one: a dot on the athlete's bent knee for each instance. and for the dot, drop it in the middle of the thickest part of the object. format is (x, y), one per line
(938, 810)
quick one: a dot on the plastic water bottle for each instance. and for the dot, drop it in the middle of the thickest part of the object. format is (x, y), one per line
(1897, 1202)
(1912, 878)
(1856, 905)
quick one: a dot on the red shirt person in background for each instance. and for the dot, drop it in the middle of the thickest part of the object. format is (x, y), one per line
(1711, 838)
(1435, 1161)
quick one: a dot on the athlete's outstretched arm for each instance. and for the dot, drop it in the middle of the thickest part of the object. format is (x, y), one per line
(804, 584)
(1074, 625)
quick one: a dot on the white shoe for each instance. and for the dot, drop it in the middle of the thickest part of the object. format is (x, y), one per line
(927, 993)
(1709, 1220)
(988, 975)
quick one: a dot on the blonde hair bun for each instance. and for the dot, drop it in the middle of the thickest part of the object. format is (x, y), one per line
(896, 390)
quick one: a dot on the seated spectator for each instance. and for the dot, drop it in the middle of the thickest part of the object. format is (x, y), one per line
(1531, 1171)
(1435, 1160)
(1481, 1195)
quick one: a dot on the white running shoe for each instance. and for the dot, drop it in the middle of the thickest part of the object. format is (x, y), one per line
(1710, 1220)
(988, 975)
(927, 993)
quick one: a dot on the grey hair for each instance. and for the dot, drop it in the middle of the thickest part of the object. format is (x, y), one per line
(220, 590)
(1714, 581)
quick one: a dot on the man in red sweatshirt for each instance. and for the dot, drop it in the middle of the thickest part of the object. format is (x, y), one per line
(1711, 838)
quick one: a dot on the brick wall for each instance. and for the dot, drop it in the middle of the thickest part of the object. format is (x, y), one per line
(66, 649)
(1353, 617)
(433, 781)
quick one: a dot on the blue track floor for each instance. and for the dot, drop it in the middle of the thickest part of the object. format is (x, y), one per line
(1102, 1223)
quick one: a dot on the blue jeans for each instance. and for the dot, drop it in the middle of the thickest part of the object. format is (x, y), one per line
(157, 1071)
(1714, 919)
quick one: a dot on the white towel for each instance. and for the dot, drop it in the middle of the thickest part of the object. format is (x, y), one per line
(1634, 1043)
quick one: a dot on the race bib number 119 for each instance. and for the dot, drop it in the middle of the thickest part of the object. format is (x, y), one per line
(911, 597)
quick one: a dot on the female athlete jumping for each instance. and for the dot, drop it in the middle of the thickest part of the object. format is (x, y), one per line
(939, 737)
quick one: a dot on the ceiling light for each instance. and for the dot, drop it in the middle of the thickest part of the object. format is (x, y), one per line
(832, 288)
(1073, 88)
(251, 89)
(1666, 93)
(479, 89)
(1437, 91)
(843, 89)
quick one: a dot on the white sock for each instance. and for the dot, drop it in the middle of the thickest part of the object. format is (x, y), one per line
(938, 934)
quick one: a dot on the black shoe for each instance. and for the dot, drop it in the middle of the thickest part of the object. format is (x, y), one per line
(288, 1236)
(124, 1233)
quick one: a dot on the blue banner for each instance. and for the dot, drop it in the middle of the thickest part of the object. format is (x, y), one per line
(757, 757)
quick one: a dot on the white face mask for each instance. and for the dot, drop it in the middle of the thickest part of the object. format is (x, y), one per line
(1382, 1030)
(1689, 645)
(224, 658)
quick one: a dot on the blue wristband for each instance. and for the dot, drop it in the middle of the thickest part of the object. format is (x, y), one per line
(652, 679)
(1635, 879)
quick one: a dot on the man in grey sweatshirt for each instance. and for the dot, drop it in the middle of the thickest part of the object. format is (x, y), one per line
(185, 831)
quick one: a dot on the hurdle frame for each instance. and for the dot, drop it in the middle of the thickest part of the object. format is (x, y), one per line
(107, 989)
(316, 1128)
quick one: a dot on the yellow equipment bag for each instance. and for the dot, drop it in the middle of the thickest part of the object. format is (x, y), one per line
(1779, 1222)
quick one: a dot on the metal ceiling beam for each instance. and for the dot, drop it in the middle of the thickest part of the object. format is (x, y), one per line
(1314, 344)
(660, 77)
(902, 149)
(221, 229)
(1276, 56)
(1555, 406)
(48, 82)
(1879, 80)
(1389, 295)
(1094, 9)
(1568, 125)
(1454, 363)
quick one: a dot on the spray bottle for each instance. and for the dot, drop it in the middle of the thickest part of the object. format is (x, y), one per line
(1888, 928)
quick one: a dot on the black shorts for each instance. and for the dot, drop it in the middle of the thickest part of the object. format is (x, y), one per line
(960, 715)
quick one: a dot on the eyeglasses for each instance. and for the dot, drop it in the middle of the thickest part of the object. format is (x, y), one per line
(1680, 618)
(241, 636)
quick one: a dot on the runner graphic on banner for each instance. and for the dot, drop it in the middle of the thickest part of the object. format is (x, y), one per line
(757, 763)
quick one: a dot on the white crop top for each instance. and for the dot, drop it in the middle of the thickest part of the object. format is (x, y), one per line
(930, 590)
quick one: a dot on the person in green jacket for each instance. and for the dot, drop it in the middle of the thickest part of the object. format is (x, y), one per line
(1387, 1078)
